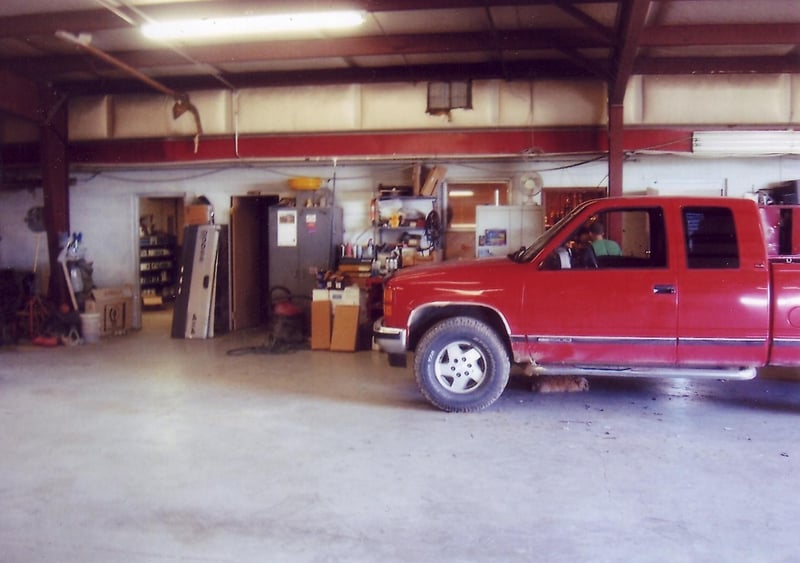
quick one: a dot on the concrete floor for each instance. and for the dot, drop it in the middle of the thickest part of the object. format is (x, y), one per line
(141, 448)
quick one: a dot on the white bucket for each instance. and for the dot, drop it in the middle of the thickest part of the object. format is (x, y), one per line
(90, 327)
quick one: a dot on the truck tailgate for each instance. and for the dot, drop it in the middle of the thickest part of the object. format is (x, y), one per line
(785, 350)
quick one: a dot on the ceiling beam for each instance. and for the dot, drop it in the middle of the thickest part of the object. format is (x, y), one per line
(574, 55)
(76, 21)
(408, 44)
(717, 65)
(21, 98)
(48, 23)
(584, 18)
(722, 34)
(571, 51)
(631, 25)
(507, 70)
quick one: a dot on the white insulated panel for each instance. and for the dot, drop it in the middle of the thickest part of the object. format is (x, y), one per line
(397, 106)
(141, 116)
(214, 107)
(514, 101)
(151, 115)
(633, 110)
(794, 107)
(90, 118)
(404, 106)
(569, 102)
(485, 106)
(715, 100)
(652, 100)
(298, 109)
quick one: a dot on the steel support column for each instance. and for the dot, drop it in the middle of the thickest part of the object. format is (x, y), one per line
(615, 149)
(55, 184)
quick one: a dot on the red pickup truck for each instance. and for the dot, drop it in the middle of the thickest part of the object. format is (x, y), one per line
(700, 287)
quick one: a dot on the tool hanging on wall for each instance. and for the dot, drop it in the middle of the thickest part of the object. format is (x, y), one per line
(34, 218)
(182, 103)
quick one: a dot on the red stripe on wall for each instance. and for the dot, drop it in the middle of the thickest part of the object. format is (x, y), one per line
(355, 145)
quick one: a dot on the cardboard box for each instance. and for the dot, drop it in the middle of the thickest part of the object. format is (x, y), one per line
(321, 325)
(115, 305)
(199, 214)
(351, 295)
(345, 329)
(432, 180)
(335, 296)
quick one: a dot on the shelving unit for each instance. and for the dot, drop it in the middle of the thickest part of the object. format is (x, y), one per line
(157, 267)
(399, 217)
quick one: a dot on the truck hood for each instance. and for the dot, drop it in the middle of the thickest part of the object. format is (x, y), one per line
(459, 280)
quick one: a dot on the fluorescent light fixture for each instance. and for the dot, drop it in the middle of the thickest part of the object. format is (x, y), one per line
(461, 193)
(208, 28)
(746, 143)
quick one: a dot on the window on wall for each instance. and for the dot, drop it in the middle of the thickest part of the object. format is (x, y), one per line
(463, 198)
(445, 96)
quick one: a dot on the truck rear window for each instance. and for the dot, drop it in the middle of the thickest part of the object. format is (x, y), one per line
(710, 238)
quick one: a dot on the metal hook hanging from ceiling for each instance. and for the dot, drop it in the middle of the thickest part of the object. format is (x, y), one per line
(182, 103)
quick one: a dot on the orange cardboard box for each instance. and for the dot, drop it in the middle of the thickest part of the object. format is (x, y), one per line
(345, 328)
(321, 325)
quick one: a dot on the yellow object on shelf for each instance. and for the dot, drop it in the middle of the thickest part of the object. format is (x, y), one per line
(305, 183)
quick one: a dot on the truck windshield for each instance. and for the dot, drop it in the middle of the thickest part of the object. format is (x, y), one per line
(527, 254)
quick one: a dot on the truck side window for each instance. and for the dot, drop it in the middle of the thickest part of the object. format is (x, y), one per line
(710, 238)
(640, 235)
(619, 239)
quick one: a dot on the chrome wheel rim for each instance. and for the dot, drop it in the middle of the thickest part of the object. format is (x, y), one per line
(460, 367)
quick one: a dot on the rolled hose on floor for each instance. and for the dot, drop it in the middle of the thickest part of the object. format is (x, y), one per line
(285, 314)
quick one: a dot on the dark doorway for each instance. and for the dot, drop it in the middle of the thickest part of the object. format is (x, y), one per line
(249, 220)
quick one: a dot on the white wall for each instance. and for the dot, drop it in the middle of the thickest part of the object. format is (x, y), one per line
(17, 242)
(104, 206)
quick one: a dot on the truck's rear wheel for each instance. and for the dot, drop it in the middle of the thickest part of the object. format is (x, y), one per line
(461, 365)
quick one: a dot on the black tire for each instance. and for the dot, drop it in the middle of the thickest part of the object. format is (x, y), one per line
(461, 365)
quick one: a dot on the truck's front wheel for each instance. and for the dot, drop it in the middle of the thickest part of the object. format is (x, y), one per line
(461, 365)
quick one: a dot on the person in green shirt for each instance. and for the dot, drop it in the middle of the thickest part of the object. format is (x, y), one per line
(601, 245)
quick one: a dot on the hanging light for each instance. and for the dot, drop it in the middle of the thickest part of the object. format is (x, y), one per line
(209, 28)
(744, 143)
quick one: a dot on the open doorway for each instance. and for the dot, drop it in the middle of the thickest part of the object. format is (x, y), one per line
(160, 231)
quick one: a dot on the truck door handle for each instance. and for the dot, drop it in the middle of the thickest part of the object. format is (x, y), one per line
(663, 289)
